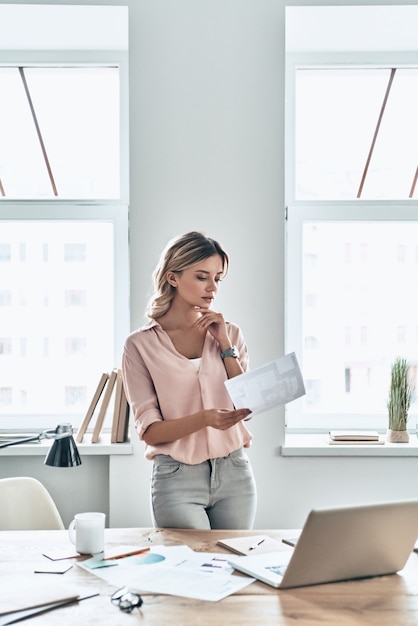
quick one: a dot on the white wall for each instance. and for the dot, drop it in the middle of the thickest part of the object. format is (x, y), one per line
(207, 154)
(207, 134)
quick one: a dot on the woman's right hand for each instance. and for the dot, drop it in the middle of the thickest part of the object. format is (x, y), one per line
(222, 419)
(163, 431)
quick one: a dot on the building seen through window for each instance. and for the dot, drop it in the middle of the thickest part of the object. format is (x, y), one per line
(57, 320)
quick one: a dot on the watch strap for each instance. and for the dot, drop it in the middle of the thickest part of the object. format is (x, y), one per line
(233, 351)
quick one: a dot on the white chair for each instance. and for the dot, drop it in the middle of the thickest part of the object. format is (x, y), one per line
(25, 504)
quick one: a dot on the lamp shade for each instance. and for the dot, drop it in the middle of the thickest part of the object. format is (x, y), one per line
(63, 452)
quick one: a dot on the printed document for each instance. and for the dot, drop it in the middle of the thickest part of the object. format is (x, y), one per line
(175, 570)
(270, 385)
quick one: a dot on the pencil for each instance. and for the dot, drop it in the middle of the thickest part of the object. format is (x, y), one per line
(122, 556)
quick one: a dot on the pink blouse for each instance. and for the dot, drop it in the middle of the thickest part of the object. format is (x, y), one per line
(161, 383)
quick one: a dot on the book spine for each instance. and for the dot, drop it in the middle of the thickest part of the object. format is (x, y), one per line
(90, 411)
(116, 409)
(104, 406)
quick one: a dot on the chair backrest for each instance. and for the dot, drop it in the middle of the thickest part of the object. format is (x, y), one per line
(25, 504)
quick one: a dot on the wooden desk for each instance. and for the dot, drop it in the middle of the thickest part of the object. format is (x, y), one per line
(383, 601)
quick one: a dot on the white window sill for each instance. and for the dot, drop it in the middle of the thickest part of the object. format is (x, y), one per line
(86, 448)
(317, 445)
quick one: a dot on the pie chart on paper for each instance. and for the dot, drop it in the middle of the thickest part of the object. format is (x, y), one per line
(149, 559)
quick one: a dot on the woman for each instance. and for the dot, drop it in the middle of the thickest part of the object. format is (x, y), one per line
(174, 370)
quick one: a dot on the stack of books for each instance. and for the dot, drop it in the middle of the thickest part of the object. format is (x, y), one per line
(354, 437)
(110, 385)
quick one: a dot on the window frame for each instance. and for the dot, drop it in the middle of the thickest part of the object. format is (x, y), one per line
(115, 211)
(71, 58)
(298, 212)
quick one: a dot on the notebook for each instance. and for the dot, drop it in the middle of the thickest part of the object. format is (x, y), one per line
(340, 544)
(260, 544)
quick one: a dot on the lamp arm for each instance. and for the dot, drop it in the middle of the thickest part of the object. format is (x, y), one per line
(19, 441)
(54, 434)
(45, 434)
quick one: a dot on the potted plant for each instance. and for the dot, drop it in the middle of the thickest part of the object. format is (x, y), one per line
(401, 392)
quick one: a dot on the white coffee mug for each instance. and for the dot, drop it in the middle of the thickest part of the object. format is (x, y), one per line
(86, 532)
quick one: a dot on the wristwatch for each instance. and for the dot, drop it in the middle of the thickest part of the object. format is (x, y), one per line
(230, 352)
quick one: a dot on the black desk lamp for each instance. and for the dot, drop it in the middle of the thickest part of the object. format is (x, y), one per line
(62, 453)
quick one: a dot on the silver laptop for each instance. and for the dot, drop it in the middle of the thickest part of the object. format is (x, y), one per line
(340, 544)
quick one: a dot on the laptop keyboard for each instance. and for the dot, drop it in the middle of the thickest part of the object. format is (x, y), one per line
(277, 569)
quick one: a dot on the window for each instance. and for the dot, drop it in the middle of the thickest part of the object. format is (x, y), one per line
(351, 136)
(64, 291)
(5, 252)
(60, 131)
(364, 118)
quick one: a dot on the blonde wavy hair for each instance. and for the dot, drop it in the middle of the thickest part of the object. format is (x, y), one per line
(179, 254)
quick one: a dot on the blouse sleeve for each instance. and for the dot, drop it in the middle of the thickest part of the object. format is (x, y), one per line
(237, 338)
(139, 388)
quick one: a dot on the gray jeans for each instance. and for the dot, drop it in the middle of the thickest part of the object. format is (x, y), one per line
(219, 493)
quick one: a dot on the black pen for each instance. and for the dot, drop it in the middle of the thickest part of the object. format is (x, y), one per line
(255, 545)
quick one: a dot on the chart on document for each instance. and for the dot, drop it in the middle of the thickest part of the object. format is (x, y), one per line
(270, 385)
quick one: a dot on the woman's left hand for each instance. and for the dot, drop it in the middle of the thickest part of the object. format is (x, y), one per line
(212, 322)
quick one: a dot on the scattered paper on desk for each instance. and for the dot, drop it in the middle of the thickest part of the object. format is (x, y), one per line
(97, 561)
(270, 385)
(52, 568)
(117, 571)
(175, 570)
(202, 582)
(60, 554)
(31, 592)
(23, 614)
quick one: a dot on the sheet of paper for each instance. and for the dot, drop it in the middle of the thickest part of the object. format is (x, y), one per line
(62, 553)
(174, 570)
(30, 591)
(190, 583)
(133, 570)
(52, 568)
(18, 616)
(270, 385)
